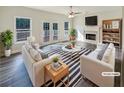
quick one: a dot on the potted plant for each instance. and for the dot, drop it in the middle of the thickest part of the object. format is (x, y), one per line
(72, 34)
(73, 43)
(7, 38)
(55, 61)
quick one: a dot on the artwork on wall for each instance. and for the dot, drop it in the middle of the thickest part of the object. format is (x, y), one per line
(115, 24)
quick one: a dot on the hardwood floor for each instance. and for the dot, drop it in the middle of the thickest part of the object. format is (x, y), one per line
(13, 72)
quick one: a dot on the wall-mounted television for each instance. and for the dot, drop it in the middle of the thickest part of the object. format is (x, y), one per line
(91, 20)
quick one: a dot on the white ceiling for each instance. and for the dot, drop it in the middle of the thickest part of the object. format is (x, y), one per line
(84, 9)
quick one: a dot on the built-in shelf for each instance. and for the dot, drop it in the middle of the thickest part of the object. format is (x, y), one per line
(112, 31)
(110, 41)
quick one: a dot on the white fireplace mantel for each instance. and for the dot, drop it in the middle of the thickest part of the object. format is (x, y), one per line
(92, 32)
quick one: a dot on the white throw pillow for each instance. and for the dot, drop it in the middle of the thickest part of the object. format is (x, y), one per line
(35, 54)
(107, 55)
(30, 39)
(111, 45)
(28, 46)
(35, 45)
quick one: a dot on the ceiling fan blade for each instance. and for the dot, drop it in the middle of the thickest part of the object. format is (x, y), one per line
(70, 8)
(77, 12)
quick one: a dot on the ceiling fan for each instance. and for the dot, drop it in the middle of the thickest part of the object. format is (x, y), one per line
(72, 13)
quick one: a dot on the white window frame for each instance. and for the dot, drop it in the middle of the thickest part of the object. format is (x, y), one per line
(55, 30)
(15, 30)
(65, 30)
(68, 26)
(46, 30)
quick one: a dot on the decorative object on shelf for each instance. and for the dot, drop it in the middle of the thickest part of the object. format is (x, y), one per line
(7, 38)
(115, 24)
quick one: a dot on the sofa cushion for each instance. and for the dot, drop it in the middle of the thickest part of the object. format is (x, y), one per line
(93, 54)
(102, 51)
(35, 54)
(107, 55)
(43, 54)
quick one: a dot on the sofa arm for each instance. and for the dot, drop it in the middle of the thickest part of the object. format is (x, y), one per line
(93, 68)
(38, 72)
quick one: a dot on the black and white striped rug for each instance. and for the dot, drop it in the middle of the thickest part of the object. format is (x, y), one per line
(72, 60)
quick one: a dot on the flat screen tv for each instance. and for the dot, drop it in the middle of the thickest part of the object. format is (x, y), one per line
(91, 20)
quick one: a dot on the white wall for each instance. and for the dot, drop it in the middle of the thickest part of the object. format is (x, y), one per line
(123, 27)
(7, 15)
(79, 22)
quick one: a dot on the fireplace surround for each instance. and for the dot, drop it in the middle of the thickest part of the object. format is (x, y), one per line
(91, 36)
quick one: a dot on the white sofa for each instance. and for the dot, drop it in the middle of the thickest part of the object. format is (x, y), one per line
(92, 68)
(34, 68)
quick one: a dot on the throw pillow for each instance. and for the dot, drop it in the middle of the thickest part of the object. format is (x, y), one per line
(28, 46)
(106, 56)
(111, 45)
(102, 51)
(35, 45)
(43, 55)
(35, 54)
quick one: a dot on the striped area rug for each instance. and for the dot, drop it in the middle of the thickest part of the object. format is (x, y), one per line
(72, 60)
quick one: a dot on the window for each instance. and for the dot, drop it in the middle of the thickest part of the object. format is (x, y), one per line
(23, 29)
(46, 28)
(66, 26)
(55, 31)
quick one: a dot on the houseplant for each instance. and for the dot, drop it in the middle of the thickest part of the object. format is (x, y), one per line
(55, 61)
(7, 38)
(72, 34)
(73, 43)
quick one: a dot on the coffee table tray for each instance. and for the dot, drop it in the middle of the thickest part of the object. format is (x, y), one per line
(56, 68)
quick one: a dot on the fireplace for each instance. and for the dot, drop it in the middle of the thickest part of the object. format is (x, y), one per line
(91, 36)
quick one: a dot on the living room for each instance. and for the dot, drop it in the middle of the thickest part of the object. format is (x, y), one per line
(50, 27)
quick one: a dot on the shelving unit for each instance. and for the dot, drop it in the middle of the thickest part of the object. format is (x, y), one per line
(112, 31)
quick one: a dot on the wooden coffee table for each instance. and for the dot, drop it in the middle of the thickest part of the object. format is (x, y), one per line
(57, 75)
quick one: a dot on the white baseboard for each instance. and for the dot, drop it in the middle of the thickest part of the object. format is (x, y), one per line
(15, 51)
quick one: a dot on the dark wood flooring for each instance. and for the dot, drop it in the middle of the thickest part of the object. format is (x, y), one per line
(13, 72)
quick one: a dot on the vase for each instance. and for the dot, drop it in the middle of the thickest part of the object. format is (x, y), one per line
(55, 64)
(72, 37)
(7, 53)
